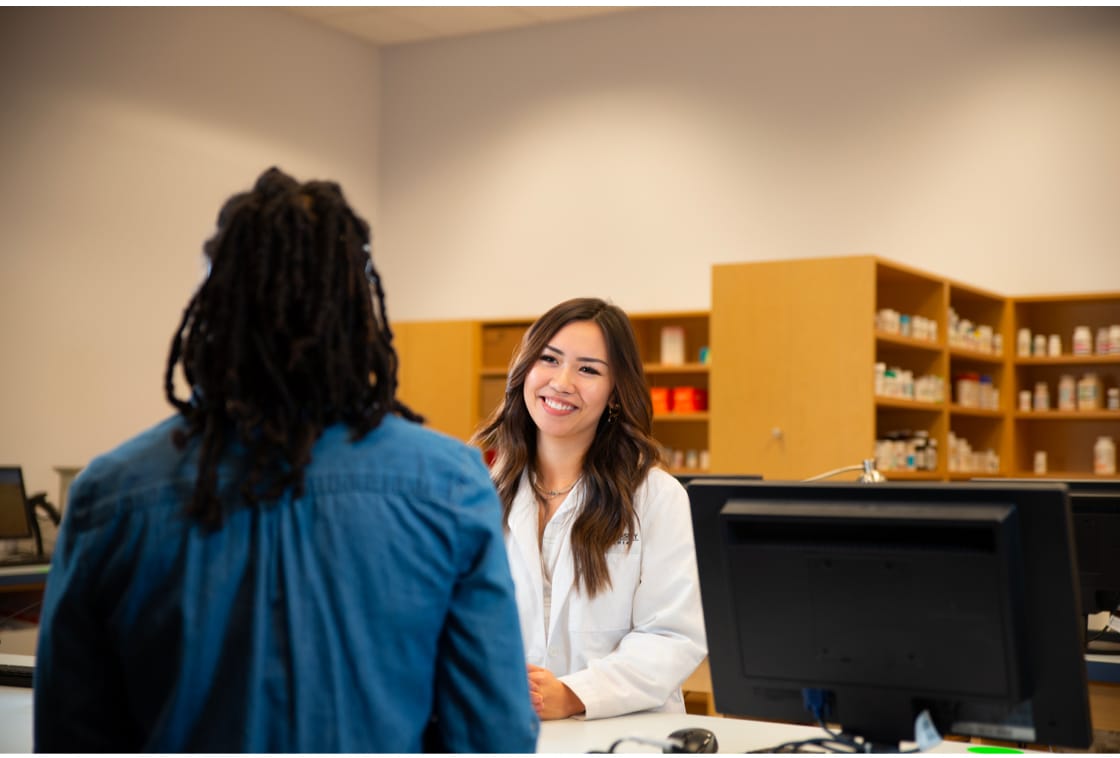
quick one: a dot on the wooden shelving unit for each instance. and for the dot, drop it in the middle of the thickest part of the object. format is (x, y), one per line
(1067, 437)
(791, 381)
(796, 342)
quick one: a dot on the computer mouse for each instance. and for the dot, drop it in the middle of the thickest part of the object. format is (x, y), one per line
(694, 740)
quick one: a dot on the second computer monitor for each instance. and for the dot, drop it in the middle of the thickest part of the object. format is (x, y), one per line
(1095, 507)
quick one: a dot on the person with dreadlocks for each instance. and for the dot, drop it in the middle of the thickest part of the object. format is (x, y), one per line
(599, 536)
(289, 563)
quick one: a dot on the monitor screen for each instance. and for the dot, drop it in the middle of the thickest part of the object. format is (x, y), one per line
(15, 515)
(870, 605)
(1095, 504)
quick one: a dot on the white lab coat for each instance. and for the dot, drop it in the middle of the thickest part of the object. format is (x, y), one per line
(629, 648)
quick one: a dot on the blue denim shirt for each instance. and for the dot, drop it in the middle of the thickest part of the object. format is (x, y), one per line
(373, 614)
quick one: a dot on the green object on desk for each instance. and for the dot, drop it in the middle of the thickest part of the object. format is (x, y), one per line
(992, 749)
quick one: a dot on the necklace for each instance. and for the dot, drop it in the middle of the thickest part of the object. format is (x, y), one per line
(552, 493)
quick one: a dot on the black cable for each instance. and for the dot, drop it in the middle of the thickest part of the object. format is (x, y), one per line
(665, 745)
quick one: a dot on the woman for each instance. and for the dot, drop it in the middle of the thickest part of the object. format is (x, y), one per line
(599, 536)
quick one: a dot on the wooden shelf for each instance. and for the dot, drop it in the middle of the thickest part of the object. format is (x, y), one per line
(905, 475)
(898, 340)
(1067, 415)
(1069, 360)
(683, 368)
(902, 403)
(1061, 475)
(968, 410)
(976, 356)
(964, 476)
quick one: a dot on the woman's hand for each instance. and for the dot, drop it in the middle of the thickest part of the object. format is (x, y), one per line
(551, 698)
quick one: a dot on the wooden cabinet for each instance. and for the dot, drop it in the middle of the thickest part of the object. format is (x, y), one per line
(436, 377)
(454, 372)
(792, 355)
(1066, 436)
(798, 345)
(795, 348)
(978, 341)
(792, 387)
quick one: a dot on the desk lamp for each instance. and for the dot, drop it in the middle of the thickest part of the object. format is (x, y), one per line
(869, 474)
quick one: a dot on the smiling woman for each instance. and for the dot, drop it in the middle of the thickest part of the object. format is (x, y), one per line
(598, 534)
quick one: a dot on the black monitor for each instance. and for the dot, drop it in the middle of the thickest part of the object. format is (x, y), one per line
(687, 479)
(1095, 504)
(867, 605)
(16, 517)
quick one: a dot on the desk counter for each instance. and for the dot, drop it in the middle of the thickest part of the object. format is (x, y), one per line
(27, 577)
(567, 736)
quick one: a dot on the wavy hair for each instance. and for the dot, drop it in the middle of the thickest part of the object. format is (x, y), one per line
(287, 335)
(621, 453)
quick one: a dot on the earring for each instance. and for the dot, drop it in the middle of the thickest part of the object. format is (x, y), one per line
(612, 413)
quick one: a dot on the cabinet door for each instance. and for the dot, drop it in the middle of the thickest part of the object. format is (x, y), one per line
(437, 374)
(792, 366)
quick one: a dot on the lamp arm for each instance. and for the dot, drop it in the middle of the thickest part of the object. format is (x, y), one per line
(870, 473)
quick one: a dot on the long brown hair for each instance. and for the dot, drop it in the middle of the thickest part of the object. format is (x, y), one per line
(287, 335)
(621, 453)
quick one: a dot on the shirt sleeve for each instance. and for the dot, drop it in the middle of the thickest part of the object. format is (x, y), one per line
(80, 700)
(482, 690)
(667, 641)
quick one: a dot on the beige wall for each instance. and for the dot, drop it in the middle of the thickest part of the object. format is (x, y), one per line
(123, 130)
(623, 155)
(619, 156)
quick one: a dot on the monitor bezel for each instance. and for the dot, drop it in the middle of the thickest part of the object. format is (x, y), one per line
(28, 510)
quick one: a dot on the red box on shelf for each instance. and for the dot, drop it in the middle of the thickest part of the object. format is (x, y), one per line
(689, 399)
(662, 399)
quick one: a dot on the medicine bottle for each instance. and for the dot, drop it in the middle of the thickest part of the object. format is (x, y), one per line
(1067, 393)
(1089, 393)
(1082, 341)
(1103, 337)
(1104, 456)
(1041, 396)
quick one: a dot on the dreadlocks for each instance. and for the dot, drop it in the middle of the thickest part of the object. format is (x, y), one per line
(282, 340)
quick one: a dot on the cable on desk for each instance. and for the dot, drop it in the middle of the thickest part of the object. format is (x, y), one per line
(667, 746)
(818, 702)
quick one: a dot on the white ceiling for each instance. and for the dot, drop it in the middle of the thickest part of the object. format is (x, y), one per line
(396, 24)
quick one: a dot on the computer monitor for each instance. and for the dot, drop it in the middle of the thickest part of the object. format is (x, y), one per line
(867, 605)
(15, 512)
(687, 479)
(1095, 504)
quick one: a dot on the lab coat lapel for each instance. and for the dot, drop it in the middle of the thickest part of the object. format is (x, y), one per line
(563, 575)
(523, 530)
(523, 535)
